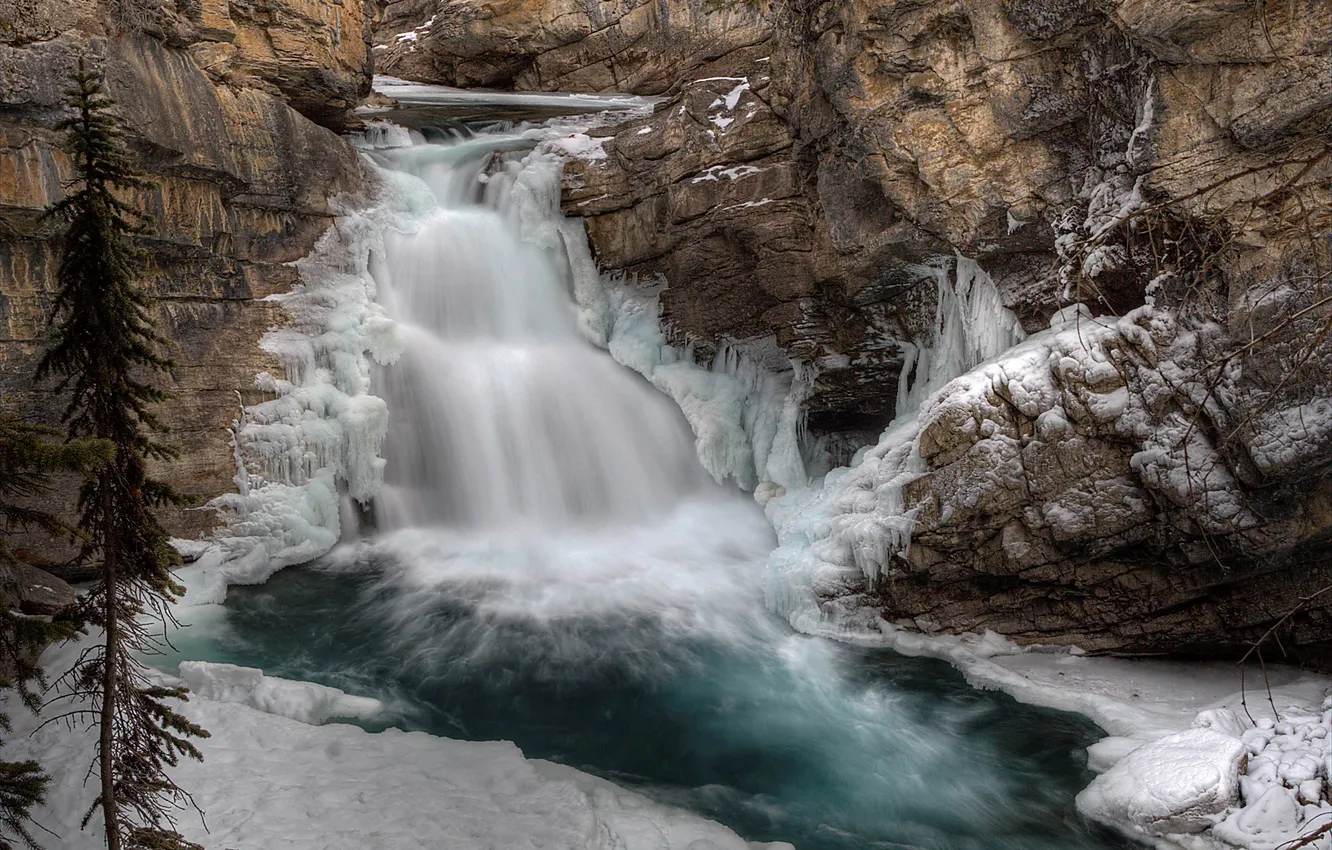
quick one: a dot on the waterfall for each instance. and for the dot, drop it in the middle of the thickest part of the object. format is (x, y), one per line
(557, 561)
(501, 411)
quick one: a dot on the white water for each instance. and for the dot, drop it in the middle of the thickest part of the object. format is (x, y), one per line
(503, 414)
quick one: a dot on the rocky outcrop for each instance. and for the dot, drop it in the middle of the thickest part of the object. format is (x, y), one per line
(1112, 154)
(314, 54)
(906, 131)
(1095, 485)
(638, 46)
(242, 188)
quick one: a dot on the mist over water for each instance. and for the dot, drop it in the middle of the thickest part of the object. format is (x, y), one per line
(553, 567)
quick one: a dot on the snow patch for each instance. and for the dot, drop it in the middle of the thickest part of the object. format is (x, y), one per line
(269, 781)
(303, 701)
(716, 172)
(582, 146)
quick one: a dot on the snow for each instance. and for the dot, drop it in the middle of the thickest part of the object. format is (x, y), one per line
(271, 781)
(716, 172)
(1257, 786)
(762, 202)
(302, 701)
(727, 102)
(411, 36)
(1175, 784)
(582, 146)
(1286, 437)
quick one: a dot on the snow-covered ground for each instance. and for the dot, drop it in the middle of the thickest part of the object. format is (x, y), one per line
(270, 780)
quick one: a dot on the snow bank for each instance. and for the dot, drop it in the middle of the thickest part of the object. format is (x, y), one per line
(1259, 786)
(302, 701)
(1176, 784)
(269, 781)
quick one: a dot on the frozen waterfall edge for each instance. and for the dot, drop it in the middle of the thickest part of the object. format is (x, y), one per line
(322, 433)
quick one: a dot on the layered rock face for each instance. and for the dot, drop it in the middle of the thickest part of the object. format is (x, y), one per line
(639, 46)
(243, 183)
(1108, 152)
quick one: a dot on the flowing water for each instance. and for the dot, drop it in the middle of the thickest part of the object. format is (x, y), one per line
(551, 566)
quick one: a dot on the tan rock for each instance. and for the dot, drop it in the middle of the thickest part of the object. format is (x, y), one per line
(243, 183)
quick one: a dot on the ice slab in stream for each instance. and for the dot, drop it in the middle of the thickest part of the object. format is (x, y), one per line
(303, 701)
(417, 94)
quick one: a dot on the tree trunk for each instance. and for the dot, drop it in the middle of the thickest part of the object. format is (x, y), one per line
(110, 815)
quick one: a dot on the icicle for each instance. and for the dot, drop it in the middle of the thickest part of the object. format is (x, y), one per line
(857, 521)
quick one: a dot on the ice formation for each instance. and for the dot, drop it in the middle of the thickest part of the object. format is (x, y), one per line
(306, 702)
(324, 429)
(855, 522)
(744, 407)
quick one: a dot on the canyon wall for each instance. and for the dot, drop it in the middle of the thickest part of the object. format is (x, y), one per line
(221, 101)
(1113, 153)
(643, 46)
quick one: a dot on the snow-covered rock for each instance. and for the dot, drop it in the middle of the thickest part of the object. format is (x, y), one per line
(1176, 784)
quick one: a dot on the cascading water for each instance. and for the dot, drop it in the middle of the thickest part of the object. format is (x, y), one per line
(553, 567)
(502, 413)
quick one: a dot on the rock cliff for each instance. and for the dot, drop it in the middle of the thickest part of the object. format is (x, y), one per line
(640, 46)
(242, 187)
(1113, 153)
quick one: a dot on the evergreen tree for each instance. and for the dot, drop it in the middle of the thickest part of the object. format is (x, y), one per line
(105, 353)
(28, 457)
